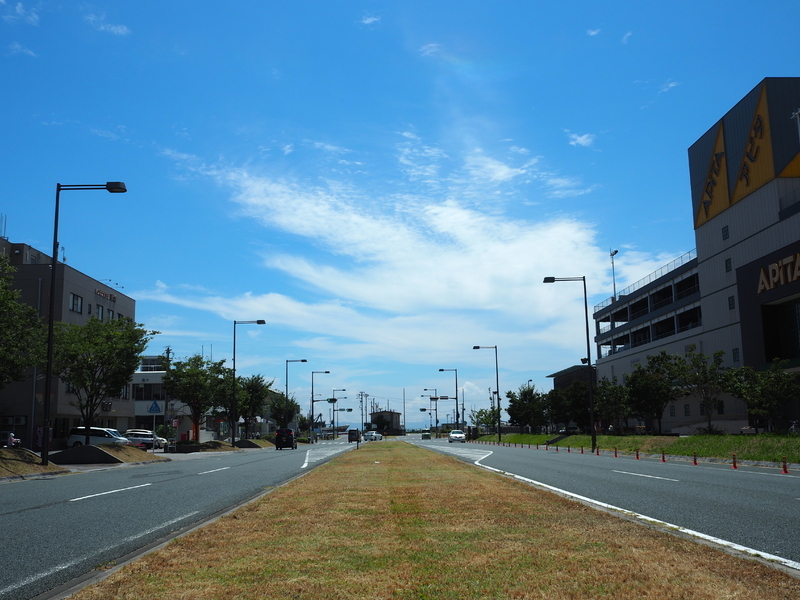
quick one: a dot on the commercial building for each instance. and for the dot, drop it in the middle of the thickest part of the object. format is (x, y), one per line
(77, 298)
(740, 291)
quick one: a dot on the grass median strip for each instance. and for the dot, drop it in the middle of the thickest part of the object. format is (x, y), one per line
(391, 520)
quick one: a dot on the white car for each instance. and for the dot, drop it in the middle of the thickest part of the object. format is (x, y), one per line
(372, 436)
(143, 437)
(456, 435)
(97, 436)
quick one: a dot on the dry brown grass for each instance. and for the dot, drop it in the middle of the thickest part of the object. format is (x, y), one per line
(15, 461)
(392, 520)
(129, 454)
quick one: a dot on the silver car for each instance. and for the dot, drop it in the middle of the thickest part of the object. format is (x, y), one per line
(456, 435)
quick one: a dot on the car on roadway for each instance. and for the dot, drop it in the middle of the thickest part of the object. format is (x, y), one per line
(143, 438)
(372, 436)
(456, 435)
(97, 436)
(426, 434)
(285, 438)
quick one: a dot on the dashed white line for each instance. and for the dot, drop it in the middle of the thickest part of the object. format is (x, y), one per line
(110, 492)
(643, 475)
(213, 471)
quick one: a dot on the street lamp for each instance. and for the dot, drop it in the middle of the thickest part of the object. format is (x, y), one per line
(497, 383)
(115, 187)
(234, 416)
(456, 372)
(311, 423)
(335, 435)
(613, 253)
(288, 360)
(588, 348)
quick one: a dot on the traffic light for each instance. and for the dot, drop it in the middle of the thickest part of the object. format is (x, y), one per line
(331, 400)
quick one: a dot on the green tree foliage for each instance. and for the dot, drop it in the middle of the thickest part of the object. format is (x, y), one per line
(97, 360)
(611, 403)
(558, 407)
(253, 395)
(200, 384)
(651, 387)
(484, 417)
(283, 409)
(705, 379)
(22, 334)
(526, 406)
(764, 392)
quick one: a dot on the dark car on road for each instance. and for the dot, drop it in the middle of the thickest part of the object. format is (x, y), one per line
(285, 438)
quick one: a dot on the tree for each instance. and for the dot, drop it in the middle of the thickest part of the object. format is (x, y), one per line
(97, 360)
(22, 333)
(199, 383)
(705, 380)
(764, 392)
(526, 407)
(283, 409)
(253, 395)
(557, 407)
(486, 417)
(611, 403)
(653, 386)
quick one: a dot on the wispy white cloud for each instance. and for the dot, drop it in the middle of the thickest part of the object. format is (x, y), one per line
(287, 149)
(519, 150)
(22, 14)
(430, 49)
(99, 23)
(329, 147)
(369, 19)
(585, 140)
(17, 48)
(626, 37)
(593, 32)
(668, 86)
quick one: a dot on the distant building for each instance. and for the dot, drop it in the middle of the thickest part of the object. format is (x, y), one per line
(77, 297)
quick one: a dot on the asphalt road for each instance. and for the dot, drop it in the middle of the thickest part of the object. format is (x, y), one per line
(753, 507)
(61, 528)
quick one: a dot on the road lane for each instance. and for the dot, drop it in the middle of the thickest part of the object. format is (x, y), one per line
(66, 526)
(753, 507)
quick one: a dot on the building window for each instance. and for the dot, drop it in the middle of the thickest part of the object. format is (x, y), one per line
(728, 265)
(671, 410)
(731, 302)
(735, 354)
(721, 408)
(702, 410)
(110, 315)
(686, 412)
(88, 309)
(99, 312)
(76, 303)
(725, 233)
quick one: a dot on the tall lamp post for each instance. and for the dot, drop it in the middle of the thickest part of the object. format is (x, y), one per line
(590, 380)
(234, 416)
(286, 381)
(497, 383)
(114, 187)
(613, 253)
(458, 425)
(335, 433)
(311, 423)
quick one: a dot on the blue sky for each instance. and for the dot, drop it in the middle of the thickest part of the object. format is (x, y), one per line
(385, 183)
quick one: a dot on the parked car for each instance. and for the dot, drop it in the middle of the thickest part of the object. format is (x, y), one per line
(143, 437)
(97, 436)
(285, 438)
(456, 435)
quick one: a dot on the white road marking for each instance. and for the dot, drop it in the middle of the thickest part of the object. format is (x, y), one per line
(725, 543)
(642, 475)
(67, 565)
(213, 471)
(111, 492)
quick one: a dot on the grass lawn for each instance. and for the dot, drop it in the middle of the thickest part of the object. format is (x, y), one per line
(392, 520)
(763, 447)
